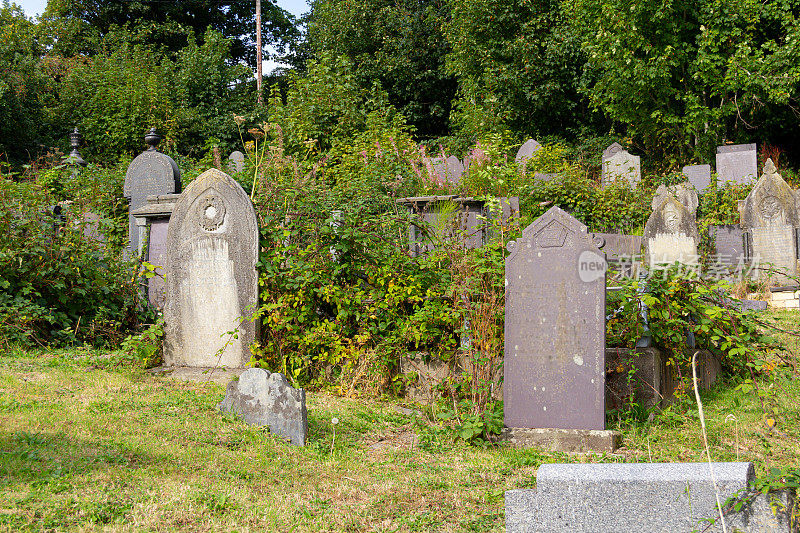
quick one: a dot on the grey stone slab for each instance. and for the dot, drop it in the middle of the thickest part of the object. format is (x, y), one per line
(262, 398)
(621, 166)
(157, 255)
(90, 226)
(737, 163)
(212, 284)
(618, 246)
(455, 169)
(729, 244)
(683, 192)
(555, 327)
(699, 176)
(612, 149)
(526, 151)
(670, 234)
(769, 214)
(236, 161)
(563, 440)
(545, 176)
(632, 498)
(150, 173)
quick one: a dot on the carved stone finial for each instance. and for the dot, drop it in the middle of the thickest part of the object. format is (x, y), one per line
(75, 140)
(769, 167)
(152, 138)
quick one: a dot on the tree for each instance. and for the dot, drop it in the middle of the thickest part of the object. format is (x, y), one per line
(397, 43)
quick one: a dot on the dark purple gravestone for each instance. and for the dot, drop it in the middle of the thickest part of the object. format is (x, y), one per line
(157, 255)
(555, 327)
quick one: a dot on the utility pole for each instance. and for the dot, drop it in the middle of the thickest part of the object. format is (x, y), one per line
(258, 51)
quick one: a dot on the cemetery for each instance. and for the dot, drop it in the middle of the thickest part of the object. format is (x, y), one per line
(321, 304)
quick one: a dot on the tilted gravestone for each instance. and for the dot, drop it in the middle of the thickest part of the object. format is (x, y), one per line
(621, 166)
(699, 176)
(670, 234)
(150, 173)
(554, 362)
(212, 250)
(769, 215)
(526, 151)
(737, 163)
(236, 161)
(262, 398)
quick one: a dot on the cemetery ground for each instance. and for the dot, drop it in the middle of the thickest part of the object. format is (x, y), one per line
(90, 444)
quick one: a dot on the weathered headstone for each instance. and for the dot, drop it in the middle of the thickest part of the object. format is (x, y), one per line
(699, 176)
(236, 161)
(153, 220)
(623, 254)
(621, 166)
(683, 192)
(737, 163)
(643, 497)
(769, 214)
(526, 151)
(555, 327)
(262, 398)
(670, 234)
(545, 176)
(150, 173)
(455, 169)
(611, 150)
(729, 253)
(212, 250)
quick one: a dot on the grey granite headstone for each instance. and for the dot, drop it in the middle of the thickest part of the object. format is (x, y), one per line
(670, 234)
(683, 192)
(150, 173)
(526, 151)
(555, 327)
(623, 253)
(236, 161)
(699, 176)
(769, 214)
(641, 497)
(729, 244)
(737, 163)
(621, 166)
(545, 176)
(262, 398)
(212, 250)
(455, 169)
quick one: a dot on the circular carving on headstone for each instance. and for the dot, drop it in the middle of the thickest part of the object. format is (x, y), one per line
(210, 212)
(770, 207)
(672, 218)
(510, 245)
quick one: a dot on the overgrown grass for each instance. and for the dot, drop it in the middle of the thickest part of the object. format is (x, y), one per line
(91, 447)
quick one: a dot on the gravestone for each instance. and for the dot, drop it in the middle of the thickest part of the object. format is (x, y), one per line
(611, 150)
(153, 221)
(262, 398)
(643, 497)
(670, 234)
(555, 327)
(150, 173)
(526, 151)
(699, 176)
(623, 254)
(455, 169)
(769, 215)
(737, 163)
(729, 251)
(545, 176)
(212, 250)
(236, 161)
(621, 166)
(683, 192)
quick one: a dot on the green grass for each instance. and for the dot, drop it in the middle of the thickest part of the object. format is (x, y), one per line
(85, 448)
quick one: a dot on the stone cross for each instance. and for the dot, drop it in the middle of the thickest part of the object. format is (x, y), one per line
(212, 283)
(150, 173)
(555, 327)
(769, 215)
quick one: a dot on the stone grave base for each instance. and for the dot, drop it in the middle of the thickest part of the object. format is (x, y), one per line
(221, 376)
(643, 497)
(563, 440)
(784, 298)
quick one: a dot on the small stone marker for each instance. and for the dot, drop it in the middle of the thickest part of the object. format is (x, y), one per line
(262, 398)
(769, 214)
(526, 151)
(545, 176)
(236, 161)
(640, 497)
(150, 173)
(212, 250)
(670, 234)
(699, 176)
(729, 246)
(737, 163)
(621, 166)
(555, 327)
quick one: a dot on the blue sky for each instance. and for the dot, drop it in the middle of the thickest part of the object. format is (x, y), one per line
(35, 7)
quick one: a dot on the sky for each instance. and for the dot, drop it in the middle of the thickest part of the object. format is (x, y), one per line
(36, 7)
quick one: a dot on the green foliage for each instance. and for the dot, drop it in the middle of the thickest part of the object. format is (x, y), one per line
(57, 285)
(145, 349)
